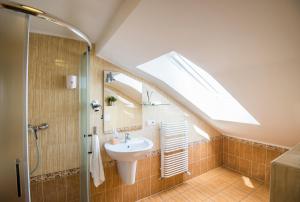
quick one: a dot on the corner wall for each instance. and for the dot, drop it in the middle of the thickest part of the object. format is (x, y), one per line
(250, 158)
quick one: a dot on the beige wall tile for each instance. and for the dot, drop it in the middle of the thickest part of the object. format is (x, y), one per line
(190, 151)
(268, 175)
(246, 150)
(196, 168)
(179, 178)
(156, 184)
(168, 182)
(233, 146)
(143, 169)
(251, 158)
(210, 162)
(273, 153)
(203, 150)
(36, 192)
(232, 162)
(225, 159)
(258, 171)
(203, 164)
(99, 189)
(210, 148)
(144, 188)
(196, 152)
(225, 144)
(73, 187)
(259, 153)
(130, 193)
(114, 195)
(245, 166)
(155, 165)
(100, 197)
(187, 176)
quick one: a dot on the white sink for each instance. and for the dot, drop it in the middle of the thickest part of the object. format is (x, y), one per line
(127, 154)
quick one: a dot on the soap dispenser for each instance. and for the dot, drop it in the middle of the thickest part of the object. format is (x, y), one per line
(115, 138)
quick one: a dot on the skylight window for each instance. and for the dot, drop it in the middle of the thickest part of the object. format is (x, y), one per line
(129, 82)
(198, 87)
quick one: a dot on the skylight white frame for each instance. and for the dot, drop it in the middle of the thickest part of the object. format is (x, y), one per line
(198, 87)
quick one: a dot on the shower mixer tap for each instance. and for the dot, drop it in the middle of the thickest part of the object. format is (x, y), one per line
(36, 128)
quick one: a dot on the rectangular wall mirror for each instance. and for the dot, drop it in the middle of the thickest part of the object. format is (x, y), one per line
(122, 102)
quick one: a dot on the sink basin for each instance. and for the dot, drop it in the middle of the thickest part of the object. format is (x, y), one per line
(132, 150)
(127, 154)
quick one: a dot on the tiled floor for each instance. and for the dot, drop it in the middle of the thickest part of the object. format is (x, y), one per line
(217, 185)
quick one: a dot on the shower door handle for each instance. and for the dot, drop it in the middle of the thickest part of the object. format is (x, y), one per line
(18, 178)
(90, 137)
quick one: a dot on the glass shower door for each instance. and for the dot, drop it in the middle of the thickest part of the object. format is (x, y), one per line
(13, 106)
(84, 127)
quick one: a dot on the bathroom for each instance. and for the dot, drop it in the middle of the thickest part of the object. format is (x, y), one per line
(95, 116)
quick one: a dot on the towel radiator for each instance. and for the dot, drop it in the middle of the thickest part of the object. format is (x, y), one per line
(174, 148)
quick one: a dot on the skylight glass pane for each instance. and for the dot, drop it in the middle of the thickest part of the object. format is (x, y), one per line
(129, 82)
(197, 86)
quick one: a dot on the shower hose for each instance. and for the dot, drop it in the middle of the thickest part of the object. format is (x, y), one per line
(37, 162)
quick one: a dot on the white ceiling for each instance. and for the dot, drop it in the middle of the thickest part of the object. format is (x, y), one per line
(251, 47)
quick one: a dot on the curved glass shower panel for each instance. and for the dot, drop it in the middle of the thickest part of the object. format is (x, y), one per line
(56, 151)
(53, 129)
(13, 112)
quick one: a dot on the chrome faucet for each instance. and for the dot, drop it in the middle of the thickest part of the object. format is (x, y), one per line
(127, 137)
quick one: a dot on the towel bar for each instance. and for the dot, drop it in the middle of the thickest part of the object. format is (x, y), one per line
(174, 148)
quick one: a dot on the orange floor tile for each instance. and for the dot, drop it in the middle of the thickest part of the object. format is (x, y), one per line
(217, 185)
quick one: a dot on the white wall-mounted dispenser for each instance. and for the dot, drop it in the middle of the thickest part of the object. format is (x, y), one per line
(71, 81)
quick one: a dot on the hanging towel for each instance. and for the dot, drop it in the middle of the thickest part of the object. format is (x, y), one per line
(96, 166)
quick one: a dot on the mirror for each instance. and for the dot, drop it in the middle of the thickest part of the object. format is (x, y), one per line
(122, 102)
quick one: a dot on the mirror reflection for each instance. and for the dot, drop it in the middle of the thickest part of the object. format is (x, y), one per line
(122, 102)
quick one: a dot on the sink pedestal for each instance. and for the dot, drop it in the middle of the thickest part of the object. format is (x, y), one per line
(127, 170)
(127, 154)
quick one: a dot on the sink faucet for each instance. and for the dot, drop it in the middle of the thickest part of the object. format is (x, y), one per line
(127, 137)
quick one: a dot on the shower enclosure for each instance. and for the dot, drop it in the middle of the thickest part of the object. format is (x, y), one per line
(22, 143)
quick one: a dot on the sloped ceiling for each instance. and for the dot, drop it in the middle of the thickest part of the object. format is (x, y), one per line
(251, 47)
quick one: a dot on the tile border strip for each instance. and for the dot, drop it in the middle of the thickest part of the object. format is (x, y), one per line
(54, 175)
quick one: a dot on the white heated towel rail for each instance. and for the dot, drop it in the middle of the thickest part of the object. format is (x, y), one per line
(174, 148)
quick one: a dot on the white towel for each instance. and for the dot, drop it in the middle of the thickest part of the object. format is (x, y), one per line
(96, 166)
